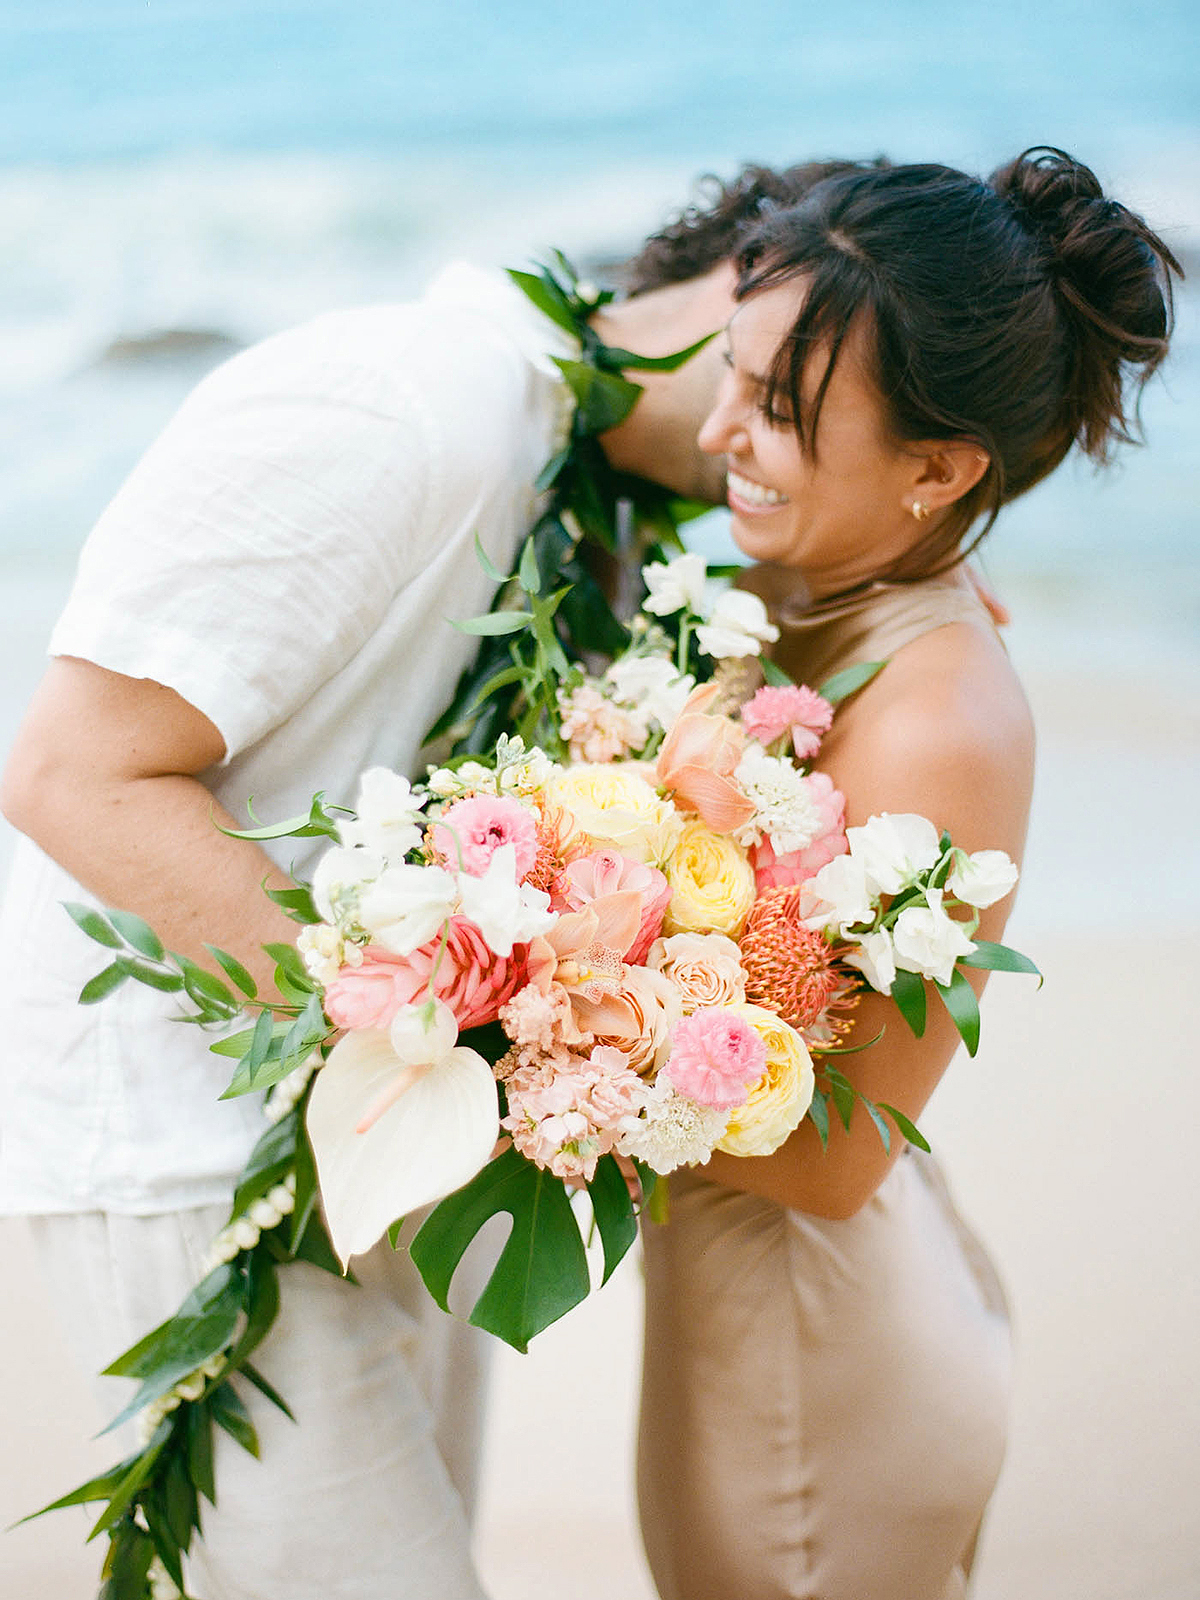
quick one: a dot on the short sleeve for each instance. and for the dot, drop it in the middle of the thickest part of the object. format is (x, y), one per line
(258, 542)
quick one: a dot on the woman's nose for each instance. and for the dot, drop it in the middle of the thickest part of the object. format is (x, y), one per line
(723, 430)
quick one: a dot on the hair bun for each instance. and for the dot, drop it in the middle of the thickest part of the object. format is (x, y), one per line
(1113, 277)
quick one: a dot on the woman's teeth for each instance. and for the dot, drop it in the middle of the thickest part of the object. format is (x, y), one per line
(755, 493)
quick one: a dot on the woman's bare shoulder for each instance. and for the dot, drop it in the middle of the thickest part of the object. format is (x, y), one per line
(944, 730)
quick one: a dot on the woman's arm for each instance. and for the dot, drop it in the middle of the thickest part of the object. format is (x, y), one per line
(944, 731)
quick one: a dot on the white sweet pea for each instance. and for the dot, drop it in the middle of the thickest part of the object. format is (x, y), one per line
(875, 959)
(406, 906)
(340, 877)
(844, 894)
(737, 626)
(505, 912)
(676, 585)
(390, 1134)
(981, 879)
(894, 849)
(388, 815)
(927, 941)
(652, 685)
(448, 782)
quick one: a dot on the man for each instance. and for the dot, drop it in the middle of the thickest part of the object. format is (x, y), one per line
(260, 613)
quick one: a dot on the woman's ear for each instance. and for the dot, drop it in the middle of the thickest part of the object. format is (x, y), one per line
(947, 469)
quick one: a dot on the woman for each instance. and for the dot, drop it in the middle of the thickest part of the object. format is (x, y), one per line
(827, 1349)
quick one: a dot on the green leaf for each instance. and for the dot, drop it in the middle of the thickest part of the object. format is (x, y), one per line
(234, 971)
(103, 984)
(137, 933)
(314, 1247)
(152, 977)
(90, 921)
(270, 1162)
(98, 1488)
(261, 1041)
(204, 986)
(843, 1094)
(602, 398)
(200, 1450)
(547, 297)
(297, 903)
(305, 1169)
(885, 1133)
(908, 991)
(262, 1306)
(542, 1271)
(488, 565)
(230, 1414)
(318, 823)
(179, 1499)
(907, 1127)
(130, 1552)
(843, 684)
(306, 1033)
(528, 575)
(204, 1326)
(632, 362)
(290, 963)
(959, 1000)
(268, 1390)
(394, 1232)
(613, 1211)
(153, 1505)
(237, 1044)
(493, 624)
(775, 675)
(999, 958)
(551, 470)
(818, 1113)
(141, 1467)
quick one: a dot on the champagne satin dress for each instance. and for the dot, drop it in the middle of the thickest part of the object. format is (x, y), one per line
(825, 1402)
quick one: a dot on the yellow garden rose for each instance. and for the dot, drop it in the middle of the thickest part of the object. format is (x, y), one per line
(776, 1104)
(614, 805)
(712, 883)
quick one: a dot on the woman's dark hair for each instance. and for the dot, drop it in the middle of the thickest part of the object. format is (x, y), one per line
(1024, 313)
(712, 229)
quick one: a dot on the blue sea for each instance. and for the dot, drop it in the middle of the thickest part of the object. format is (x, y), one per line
(216, 169)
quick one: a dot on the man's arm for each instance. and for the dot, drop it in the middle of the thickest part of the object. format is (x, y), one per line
(102, 776)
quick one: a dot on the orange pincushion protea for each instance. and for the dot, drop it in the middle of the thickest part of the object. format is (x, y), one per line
(791, 968)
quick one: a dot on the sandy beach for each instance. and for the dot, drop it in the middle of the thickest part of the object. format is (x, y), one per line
(1068, 1142)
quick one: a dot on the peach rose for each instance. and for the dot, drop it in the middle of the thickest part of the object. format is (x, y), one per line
(637, 1019)
(706, 968)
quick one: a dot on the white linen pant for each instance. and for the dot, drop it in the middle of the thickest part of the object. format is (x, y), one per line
(369, 1492)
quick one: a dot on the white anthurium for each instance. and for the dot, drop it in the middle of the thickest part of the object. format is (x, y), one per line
(388, 815)
(738, 625)
(677, 585)
(981, 879)
(341, 875)
(894, 849)
(928, 941)
(845, 896)
(874, 958)
(406, 906)
(397, 1120)
(505, 912)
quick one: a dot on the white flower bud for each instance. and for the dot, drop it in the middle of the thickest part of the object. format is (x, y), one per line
(244, 1234)
(264, 1214)
(213, 1367)
(191, 1387)
(283, 1198)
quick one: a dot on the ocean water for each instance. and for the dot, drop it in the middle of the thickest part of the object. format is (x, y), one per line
(215, 169)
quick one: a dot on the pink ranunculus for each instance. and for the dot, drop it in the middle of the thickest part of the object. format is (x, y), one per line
(715, 1057)
(697, 761)
(606, 872)
(776, 872)
(470, 832)
(369, 995)
(776, 710)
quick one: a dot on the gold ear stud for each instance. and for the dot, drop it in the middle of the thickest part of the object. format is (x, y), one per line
(920, 510)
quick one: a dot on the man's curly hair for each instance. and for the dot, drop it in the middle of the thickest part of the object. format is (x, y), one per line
(710, 230)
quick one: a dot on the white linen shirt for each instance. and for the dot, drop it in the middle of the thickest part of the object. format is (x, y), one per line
(284, 557)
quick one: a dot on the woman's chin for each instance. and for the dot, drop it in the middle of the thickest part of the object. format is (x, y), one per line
(758, 541)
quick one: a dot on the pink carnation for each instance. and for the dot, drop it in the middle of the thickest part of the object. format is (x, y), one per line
(772, 871)
(715, 1057)
(472, 830)
(606, 872)
(776, 711)
(471, 980)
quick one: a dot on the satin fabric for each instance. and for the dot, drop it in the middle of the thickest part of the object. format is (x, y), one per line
(825, 1402)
